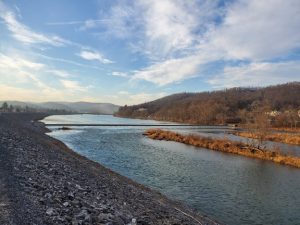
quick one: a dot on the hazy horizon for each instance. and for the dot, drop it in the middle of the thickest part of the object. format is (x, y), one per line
(130, 52)
(92, 102)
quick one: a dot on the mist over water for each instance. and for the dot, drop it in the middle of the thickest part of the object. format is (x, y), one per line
(230, 188)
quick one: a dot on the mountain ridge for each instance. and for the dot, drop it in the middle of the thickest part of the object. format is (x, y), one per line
(74, 107)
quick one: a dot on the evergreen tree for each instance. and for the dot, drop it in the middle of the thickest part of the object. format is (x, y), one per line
(4, 107)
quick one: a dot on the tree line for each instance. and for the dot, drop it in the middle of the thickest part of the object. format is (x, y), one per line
(19, 109)
(279, 105)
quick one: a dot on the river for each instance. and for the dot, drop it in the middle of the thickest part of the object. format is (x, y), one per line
(232, 189)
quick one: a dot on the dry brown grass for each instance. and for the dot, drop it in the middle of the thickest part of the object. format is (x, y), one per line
(224, 145)
(288, 129)
(288, 138)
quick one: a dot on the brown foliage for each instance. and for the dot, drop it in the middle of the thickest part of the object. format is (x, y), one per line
(288, 138)
(236, 105)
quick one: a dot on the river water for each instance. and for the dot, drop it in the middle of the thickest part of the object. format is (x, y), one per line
(229, 188)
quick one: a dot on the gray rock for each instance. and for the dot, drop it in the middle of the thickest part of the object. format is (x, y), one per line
(50, 212)
(71, 195)
(47, 195)
(66, 204)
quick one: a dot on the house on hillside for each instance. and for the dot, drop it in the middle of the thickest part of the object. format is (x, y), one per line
(273, 113)
(142, 110)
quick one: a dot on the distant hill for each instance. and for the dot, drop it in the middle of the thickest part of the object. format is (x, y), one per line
(75, 107)
(219, 107)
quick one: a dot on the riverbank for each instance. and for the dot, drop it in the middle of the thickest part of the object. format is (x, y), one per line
(44, 182)
(224, 145)
(287, 137)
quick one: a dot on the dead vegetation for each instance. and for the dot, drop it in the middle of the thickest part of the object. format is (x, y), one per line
(288, 138)
(286, 129)
(224, 145)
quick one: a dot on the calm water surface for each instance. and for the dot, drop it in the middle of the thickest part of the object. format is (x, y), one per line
(232, 189)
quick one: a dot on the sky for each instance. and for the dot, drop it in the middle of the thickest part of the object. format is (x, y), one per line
(130, 52)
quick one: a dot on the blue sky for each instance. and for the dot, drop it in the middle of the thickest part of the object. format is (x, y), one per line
(129, 52)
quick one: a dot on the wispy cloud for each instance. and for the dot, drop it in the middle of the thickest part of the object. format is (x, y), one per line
(59, 73)
(123, 20)
(25, 34)
(258, 30)
(169, 71)
(73, 85)
(21, 70)
(87, 22)
(67, 61)
(177, 36)
(257, 74)
(18, 63)
(161, 29)
(94, 55)
(167, 32)
(119, 74)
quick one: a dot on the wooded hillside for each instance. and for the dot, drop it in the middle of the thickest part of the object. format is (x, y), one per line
(236, 105)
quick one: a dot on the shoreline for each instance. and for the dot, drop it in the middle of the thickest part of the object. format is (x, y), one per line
(45, 182)
(224, 145)
(285, 138)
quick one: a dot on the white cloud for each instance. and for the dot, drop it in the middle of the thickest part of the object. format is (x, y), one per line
(18, 71)
(67, 61)
(84, 24)
(170, 71)
(22, 67)
(122, 20)
(123, 92)
(119, 74)
(59, 73)
(175, 33)
(258, 29)
(94, 55)
(18, 63)
(158, 28)
(257, 74)
(171, 27)
(22, 71)
(168, 32)
(179, 38)
(73, 85)
(24, 33)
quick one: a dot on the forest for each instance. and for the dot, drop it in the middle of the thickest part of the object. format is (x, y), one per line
(278, 104)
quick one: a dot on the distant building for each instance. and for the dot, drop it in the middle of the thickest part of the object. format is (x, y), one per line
(273, 113)
(142, 109)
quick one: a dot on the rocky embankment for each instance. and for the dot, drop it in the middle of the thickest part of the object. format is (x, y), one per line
(43, 182)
